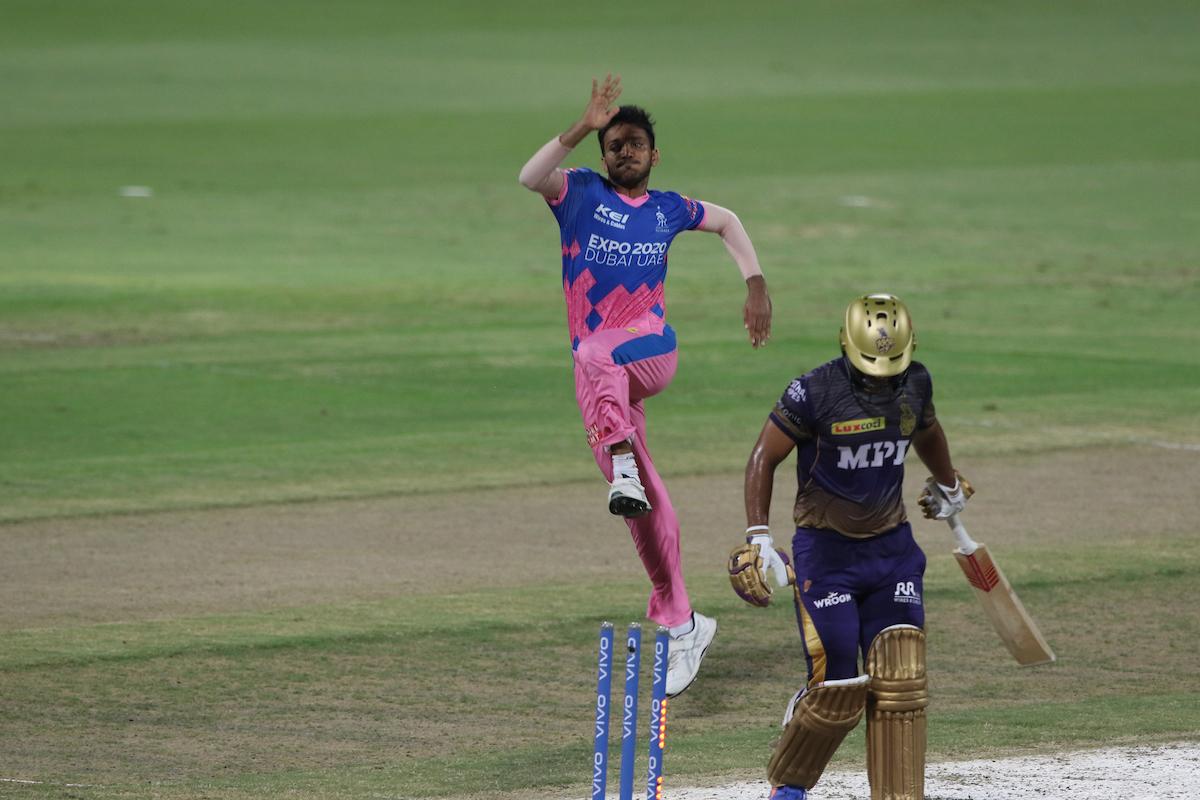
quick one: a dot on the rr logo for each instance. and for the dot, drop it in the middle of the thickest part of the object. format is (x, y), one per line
(906, 592)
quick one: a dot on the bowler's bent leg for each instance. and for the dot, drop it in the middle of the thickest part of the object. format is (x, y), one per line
(602, 392)
(614, 371)
(656, 536)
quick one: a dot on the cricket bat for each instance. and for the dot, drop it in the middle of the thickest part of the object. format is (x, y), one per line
(1012, 622)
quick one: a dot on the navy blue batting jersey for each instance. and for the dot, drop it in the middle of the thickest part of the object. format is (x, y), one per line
(614, 250)
(851, 447)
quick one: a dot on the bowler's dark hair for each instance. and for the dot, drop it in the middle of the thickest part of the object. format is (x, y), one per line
(632, 115)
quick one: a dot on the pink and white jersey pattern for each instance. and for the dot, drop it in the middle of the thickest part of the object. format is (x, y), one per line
(614, 250)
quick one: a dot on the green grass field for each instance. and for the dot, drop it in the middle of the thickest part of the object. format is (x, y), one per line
(338, 290)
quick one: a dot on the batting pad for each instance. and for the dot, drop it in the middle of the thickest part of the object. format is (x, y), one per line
(896, 714)
(817, 721)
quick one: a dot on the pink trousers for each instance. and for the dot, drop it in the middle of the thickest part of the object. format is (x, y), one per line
(615, 370)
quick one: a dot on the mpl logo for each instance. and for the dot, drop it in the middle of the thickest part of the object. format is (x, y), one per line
(872, 454)
(906, 592)
(609, 217)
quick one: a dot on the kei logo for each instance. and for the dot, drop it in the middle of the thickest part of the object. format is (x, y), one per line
(609, 217)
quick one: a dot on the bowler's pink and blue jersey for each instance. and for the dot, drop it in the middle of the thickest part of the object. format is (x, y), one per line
(614, 253)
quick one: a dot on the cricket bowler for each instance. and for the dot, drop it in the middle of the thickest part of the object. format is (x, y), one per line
(857, 570)
(615, 233)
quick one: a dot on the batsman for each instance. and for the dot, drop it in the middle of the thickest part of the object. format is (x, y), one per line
(857, 580)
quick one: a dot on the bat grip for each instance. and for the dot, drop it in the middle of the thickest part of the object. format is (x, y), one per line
(966, 544)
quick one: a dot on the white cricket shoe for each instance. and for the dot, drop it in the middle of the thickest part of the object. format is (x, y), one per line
(627, 498)
(686, 653)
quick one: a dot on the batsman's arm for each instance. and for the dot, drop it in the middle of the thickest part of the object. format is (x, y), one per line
(772, 447)
(757, 312)
(756, 567)
(934, 451)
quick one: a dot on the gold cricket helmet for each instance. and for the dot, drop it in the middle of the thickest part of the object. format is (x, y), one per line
(877, 335)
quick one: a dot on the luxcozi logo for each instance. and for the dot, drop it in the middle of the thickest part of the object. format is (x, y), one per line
(834, 599)
(875, 454)
(857, 426)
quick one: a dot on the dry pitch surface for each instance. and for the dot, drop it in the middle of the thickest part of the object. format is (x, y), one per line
(122, 568)
(1170, 772)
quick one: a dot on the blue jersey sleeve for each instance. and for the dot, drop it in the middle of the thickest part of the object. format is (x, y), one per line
(566, 207)
(682, 213)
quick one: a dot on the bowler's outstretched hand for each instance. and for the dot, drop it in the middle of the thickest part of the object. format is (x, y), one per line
(602, 107)
(757, 313)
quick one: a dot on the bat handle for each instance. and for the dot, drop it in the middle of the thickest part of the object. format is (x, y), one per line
(966, 544)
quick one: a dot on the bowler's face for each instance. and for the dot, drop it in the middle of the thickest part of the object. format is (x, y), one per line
(628, 155)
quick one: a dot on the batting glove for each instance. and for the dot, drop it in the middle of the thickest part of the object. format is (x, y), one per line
(755, 565)
(773, 565)
(939, 501)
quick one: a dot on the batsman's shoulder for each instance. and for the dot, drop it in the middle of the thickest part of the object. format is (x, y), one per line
(920, 373)
(797, 391)
(819, 379)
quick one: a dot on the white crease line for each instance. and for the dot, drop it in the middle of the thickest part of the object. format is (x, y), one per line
(43, 783)
(1170, 445)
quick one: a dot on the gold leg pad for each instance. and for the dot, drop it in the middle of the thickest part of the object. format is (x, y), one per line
(896, 714)
(816, 723)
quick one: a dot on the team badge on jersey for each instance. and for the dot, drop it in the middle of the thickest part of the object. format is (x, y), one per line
(908, 420)
(663, 227)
